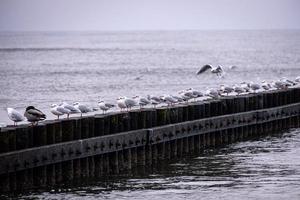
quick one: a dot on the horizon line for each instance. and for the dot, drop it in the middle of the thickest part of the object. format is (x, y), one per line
(152, 30)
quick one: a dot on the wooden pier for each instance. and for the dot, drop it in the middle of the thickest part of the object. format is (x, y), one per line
(58, 152)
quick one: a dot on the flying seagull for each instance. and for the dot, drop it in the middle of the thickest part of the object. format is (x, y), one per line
(215, 70)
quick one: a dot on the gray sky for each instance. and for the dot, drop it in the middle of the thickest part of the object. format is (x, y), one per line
(55, 15)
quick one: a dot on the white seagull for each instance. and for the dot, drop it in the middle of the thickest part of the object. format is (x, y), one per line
(265, 85)
(154, 100)
(239, 90)
(141, 101)
(14, 116)
(212, 93)
(245, 86)
(168, 99)
(71, 108)
(187, 95)
(226, 89)
(279, 85)
(34, 115)
(121, 103)
(254, 87)
(57, 110)
(215, 70)
(129, 103)
(288, 82)
(105, 106)
(83, 108)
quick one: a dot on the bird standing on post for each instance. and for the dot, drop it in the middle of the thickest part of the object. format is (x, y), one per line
(15, 116)
(34, 115)
(105, 106)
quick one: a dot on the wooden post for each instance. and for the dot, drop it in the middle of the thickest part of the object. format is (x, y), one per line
(148, 156)
(161, 150)
(84, 127)
(76, 169)
(173, 148)
(185, 113)
(134, 119)
(22, 137)
(161, 116)
(225, 137)
(99, 125)
(173, 113)
(191, 143)
(180, 147)
(40, 139)
(50, 175)
(127, 159)
(98, 165)
(4, 140)
(84, 164)
(50, 130)
(185, 143)
(113, 123)
(67, 126)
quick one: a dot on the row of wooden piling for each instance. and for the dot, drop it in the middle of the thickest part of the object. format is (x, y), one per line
(56, 131)
(136, 159)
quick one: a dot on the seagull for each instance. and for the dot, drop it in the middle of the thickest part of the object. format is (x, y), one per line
(154, 100)
(83, 108)
(178, 98)
(195, 92)
(121, 103)
(245, 86)
(34, 115)
(186, 95)
(297, 79)
(168, 99)
(57, 110)
(239, 90)
(279, 85)
(226, 89)
(287, 81)
(254, 86)
(71, 108)
(265, 85)
(192, 93)
(212, 93)
(14, 116)
(215, 70)
(60, 108)
(105, 106)
(129, 103)
(141, 101)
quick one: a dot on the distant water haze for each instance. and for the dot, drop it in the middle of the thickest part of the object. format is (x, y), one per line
(66, 15)
(40, 69)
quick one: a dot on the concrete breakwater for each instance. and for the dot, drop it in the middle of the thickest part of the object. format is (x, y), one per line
(57, 152)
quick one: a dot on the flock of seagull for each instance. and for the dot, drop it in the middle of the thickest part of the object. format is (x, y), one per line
(34, 115)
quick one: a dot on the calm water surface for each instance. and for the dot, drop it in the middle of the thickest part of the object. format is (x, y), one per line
(44, 68)
(267, 168)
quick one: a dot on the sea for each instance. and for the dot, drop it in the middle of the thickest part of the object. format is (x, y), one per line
(43, 68)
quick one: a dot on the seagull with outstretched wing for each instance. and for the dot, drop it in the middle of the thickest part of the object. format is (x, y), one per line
(215, 70)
